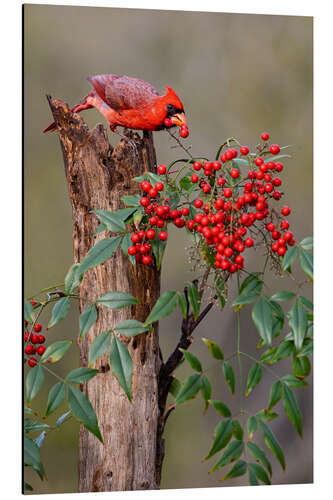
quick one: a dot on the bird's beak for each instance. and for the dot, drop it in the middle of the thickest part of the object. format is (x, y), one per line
(179, 119)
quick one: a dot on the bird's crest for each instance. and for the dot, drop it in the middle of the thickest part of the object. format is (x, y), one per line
(171, 97)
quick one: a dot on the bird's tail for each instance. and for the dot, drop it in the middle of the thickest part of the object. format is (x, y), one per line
(77, 109)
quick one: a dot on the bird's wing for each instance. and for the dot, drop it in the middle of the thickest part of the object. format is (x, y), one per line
(123, 92)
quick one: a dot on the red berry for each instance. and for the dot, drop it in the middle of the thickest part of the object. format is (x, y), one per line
(41, 339)
(264, 136)
(151, 234)
(225, 264)
(163, 235)
(288, 235)
(194, 178)
(277, 195)
(145, 186)
(281, 251)
(239, 259)
(249, 242)
(41, 349)
(285, 224)
(206, 188)
(32, 362)
(270, 226)
(274, 149)
(197, 165)
(269, 187)
(229, 154)
(185, 211)
(190, 224)
(179, 222)
(232, 268)
(144, 202)
(276, 181)
(285, 210)
(258, 161)
(26, 336)
(275, 247)
(234, 173)
(146, 259)
(131, 250)
(37, 327)
(227, 192)
(159, 186)
(276, 235)
(167, 122)
(216, 165)
(153, 192)
(160, 223)
(198, 203)
(161, 169)
(153, 220)
(279, 167)
(184, 132)
(281, 242)
(34, 339)
(234, 153)
(30, 349)
(33, 303)
(244, 150)
(228, 252)
(221, 181)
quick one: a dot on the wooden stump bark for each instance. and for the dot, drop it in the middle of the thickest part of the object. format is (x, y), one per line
(97, 176)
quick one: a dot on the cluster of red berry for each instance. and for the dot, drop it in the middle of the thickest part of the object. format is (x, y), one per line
(227, 217)
(34, 339)
(184, 132)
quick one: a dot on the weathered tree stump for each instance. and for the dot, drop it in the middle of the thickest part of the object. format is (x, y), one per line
(97, 176)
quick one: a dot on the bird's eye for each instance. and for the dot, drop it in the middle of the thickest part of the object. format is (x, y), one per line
(170, 109)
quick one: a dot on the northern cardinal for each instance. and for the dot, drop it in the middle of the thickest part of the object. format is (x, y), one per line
(132, 103)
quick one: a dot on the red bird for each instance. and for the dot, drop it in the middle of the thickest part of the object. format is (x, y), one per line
(132, 103)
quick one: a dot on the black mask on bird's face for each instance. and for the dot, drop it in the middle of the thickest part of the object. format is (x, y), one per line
(176, 115)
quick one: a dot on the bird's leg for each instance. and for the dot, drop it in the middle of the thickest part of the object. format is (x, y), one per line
(130, 141)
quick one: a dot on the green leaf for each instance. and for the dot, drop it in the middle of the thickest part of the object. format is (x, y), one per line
(27, 487)
(301, 367)
(132, 200)
(283, 296)
(272, 443)
(284, 350)
(232, 452)
(263, 319)
(266, 416)
(34, 382)
(158, 248)
(55, 351)
(229, 376)
(192, 360)
(253, 481)
(223, 433)
(185, 183)
(206, 391)
(72, 280)
(293, 381)
(253, 378)
(127, 242)
(221, 408)
(259, 472)
(81, 375)
(31, 453)
(252, 426)
(289, 257)
(27, 410)
(32, 425)
(268, 356)
(116, 300)
(59, 311)
(99, 347)
(259, 454)
(306, 302)
(307, 243)
(125, 213)
(121, 364)
(292, 409)
(163, 307)
(182, 304)
(111, 220)
(56, 396)
(237, 430)
(28, 311)
(87, 319)
(275, 394)
(214, 349)
(99, 253)
(175, 387)
(131, 327)
(238, 469)
(306, 260)
(249, 291)
(83, 411)
(298, 322)
(100, 228)
(191, 387)
(194, 299)
(307, 349)
(62, 418)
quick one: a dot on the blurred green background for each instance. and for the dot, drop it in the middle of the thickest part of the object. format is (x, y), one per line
(237, 75)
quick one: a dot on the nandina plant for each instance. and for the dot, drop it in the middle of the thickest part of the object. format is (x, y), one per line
(229, 206)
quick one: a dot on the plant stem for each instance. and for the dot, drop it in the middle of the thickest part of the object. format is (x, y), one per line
(238, 356)
(260, 363)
